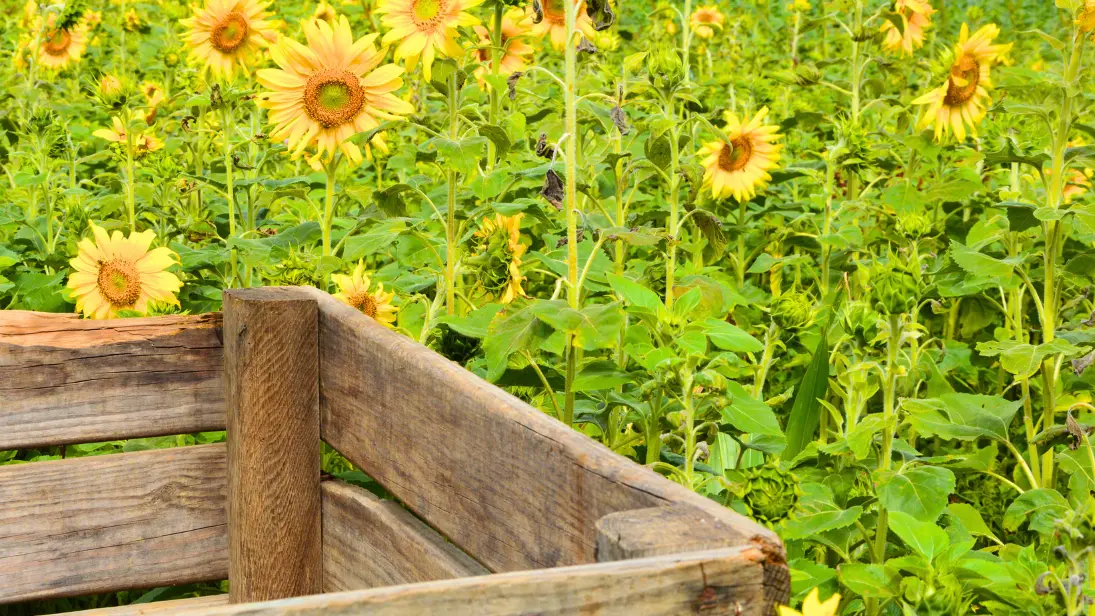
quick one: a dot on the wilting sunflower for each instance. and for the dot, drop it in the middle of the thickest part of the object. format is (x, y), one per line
(498, 257)
(705, 20)
(916, 17)
(228, 34)
(740, 167)
(142, 143)
(515, 26)
(60, 47)
(812, 606)
(327, 92)
(425, 28)
(116, 273)
(354, 291)
(153, 94)
(960, 103)
(554, 22)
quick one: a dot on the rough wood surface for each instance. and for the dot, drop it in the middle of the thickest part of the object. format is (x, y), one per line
(156, 608)
(66, 380)
(271, 363)
(513, 487)
(113, 522)
(369, 542)
(718, 582)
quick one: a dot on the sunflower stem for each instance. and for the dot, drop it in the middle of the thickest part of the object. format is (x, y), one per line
(329, 204)
(130, 198)
(496, 56)
(230, 191)
(571, 198)
(450, 214)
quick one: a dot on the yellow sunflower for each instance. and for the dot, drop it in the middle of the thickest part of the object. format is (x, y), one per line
(554, 22)
(916, 17)
(814, 607)
(60, 47)
(153, 94)
(961, 102)
(515, 26)
(1085, 18)
(116, 273)
(498, 256)
(425, 28)
(325, 12)
(142, 143)
(327, 92)
(354, 291)
(225, 35)
(705, 20)
(740, 167)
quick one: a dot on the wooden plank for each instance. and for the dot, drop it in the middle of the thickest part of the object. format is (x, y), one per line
(156, 608)
(369, 542)
(114, 522)
(717, 582)
(271, 363)
(67, 380)
(514, 488)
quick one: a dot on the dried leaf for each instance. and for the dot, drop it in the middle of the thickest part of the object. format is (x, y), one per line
(511, 84)
(585, 46)
(619, 118)
(553, 189)
(543, 148)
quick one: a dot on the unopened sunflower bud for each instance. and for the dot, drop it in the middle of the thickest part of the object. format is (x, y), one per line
(664, 64)
(111, 90)
(793, 310)
(171, 59)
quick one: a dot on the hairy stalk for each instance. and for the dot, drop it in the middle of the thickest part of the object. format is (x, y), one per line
(329, 204)
(889, 395)
(130, 178)
(496, 55)
(228, 126)
(450, 215)
(571, 200)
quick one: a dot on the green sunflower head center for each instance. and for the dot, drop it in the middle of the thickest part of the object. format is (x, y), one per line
(963, 82)
(229, 33)
(119, 282)
(333, 97)
(425, 11)
(736, 155)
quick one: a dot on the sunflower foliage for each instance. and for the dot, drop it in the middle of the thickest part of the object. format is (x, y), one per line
(829, 263)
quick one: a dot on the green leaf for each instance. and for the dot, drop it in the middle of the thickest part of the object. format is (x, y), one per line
(1023, 360)
(925, 538)
(637, 295)
(874, 581)
(962, 416)
(980, 264)
(918, 491)
(816, 513)
(498, 137)
(1038, 507)
(731, 337)
(461, 155)
(519, 331)
(970, 518)
(475, 324)
(748, 414)
(594, 327)
(805, 414)
(600, 375)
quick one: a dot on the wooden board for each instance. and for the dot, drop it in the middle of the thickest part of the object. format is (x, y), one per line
(67, 380)
(513, 487)
(113, 522)
(156, 608)
(712, 583)
(369, 542)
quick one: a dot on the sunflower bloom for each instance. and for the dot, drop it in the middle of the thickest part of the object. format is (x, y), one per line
(425, 28)
(116, 273)
(498, 256)
(325, 12)
(329, 91)
(154, 96)
(916, 17)
(813, 607)
(515, 26)
(226, 35)
(142, 143)
(740, 167)
(61, 47)
(1085, 19)
(705, 20)
(354, 291)
(961, 102)
(554, 22)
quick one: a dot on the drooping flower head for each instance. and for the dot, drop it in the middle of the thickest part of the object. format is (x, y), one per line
(354, 291)
(813, 606)
(115, 273)
(62, 45)
(740, 167)
(554, 22)
(515, 27)
(497, 257)
(154, 96)
(330, 90)
(916, 17)
(425, 28)
(224, 36)
(705, 20)
(142, 143)
(961, 102)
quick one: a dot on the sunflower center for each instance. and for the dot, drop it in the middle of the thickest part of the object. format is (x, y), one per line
(333, 97)
(553, 13)
(705, 18)
(119, 282)
(426, 11)
(365, 303)
(229, 33)
(57, 42)
(965, 75)
(735, 156)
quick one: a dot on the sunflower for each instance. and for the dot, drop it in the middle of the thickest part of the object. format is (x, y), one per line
(961, 101)
(354, 291)
(515, 26)
(425, 28)
(142, 143)
(327, 92)
(60, 47)
(120, 273)
(814, 607)
(554, 22)
(916, 16)
(1085, 19)
(228, 34)
(705, 20)
(740, 167)
(325, 12)
(498, 256)
(153, 94)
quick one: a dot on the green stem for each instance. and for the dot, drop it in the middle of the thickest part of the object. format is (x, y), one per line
(329, 204)
(450, 215)
(130, 193)
(229, 183)
(496, 56)
(889, 394)
(571, 199)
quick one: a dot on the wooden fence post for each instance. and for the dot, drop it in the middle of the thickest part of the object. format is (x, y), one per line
(271, 360)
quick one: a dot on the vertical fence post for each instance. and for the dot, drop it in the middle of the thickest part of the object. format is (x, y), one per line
(271, 357)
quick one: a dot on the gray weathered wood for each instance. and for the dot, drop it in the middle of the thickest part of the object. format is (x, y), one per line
(727, 582)
(271, 363)
(369, 542)
(67, 380)
(156, 608)
(513, 487)
(113, 522)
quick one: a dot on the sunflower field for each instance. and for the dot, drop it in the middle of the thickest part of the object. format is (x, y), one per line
(828, 262)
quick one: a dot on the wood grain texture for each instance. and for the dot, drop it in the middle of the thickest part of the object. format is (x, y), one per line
(114, 522)
(713, 583)
(514, 488)
(271, 361)
(156, 608)
(369, 542)
(67, 380)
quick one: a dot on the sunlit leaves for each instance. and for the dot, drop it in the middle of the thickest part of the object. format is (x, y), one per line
(920, 491)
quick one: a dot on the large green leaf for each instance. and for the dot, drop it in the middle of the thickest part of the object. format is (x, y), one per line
(1039, 508)
(806, 412)
(875, 581)
(980, 264)
(731, 337)
(925, 538)
(962, 416)
(817, 513)
(594, 327)
(519, 331)
(1023, 360)
(920, 491)
(748, 414)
